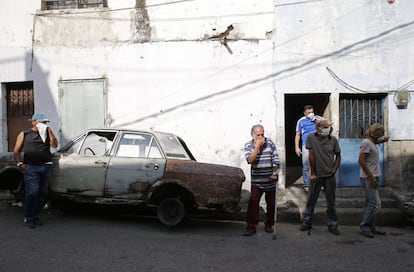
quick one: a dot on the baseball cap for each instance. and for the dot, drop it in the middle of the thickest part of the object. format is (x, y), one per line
(40, 117)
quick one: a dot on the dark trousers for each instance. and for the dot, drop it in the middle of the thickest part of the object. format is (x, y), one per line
(36, 182)
(329, 183)
(253, 209)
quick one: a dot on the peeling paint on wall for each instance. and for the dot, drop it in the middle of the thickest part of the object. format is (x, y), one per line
(142, 23)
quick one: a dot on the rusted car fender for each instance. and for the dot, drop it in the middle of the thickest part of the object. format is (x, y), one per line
(11, 178)
(163, 189)
(173, 200)
(212, 185)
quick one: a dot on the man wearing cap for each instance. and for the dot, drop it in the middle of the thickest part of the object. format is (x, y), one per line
(369, 175)
(36, 165)
(305, 126)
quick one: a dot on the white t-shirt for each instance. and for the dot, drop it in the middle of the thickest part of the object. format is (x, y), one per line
(371, 159)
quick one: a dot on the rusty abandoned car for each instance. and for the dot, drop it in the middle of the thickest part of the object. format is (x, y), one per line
(144, 168)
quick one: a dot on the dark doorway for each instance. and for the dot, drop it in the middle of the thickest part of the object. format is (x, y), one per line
(294, 104)
(20, 107)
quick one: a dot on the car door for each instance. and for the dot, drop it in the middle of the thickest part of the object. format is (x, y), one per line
(137, 163)
(83, 172)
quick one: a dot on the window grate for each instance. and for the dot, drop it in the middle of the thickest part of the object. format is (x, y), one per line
(73, 4)
(359, 112)
(20, 99)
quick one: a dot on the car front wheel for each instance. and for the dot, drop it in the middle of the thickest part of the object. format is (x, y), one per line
(171, 211)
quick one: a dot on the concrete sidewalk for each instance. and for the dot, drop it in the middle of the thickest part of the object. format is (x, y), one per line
(349, 202)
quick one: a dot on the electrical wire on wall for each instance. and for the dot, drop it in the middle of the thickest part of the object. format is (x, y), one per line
(343, 83)
(354, 89)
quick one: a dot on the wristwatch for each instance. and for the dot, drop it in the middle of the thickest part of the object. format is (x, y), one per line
(19, 164)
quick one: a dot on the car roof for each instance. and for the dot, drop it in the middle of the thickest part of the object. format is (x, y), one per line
(131, 130)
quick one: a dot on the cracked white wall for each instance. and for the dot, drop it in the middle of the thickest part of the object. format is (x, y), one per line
(167, 75)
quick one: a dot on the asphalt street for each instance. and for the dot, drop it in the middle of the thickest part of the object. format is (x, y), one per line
(89, 239)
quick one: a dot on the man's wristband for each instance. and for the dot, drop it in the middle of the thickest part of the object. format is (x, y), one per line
(19, 164)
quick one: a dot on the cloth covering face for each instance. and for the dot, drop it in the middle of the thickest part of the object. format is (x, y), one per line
(42, 127)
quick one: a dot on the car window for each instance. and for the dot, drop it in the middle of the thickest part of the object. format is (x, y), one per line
(97, 143)
(172, 146)
(135, 145)
(154, 151)
(73, 146)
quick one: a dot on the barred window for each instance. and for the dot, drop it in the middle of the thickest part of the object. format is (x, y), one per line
(73, 4)
(359, 112)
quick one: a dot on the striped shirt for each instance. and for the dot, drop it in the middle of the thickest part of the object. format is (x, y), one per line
(261, 168)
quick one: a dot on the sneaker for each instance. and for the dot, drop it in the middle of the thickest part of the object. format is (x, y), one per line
(334, 231)
(269, 229)
(29, 222)
(37, 221)
(304, 227)
(306, 189)
(249, 232)
(367, 233)
(378, 232)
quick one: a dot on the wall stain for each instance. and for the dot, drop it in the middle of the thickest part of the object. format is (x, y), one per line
(142, 23)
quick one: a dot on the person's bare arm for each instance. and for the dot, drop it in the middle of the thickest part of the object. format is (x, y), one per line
(337, 162)
(18, 147)
(313, 176)
(298, 150)
(53, 140)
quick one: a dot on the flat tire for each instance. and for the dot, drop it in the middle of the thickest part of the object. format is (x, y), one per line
(171, 211)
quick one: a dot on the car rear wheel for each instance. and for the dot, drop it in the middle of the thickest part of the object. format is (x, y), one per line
(171, 211)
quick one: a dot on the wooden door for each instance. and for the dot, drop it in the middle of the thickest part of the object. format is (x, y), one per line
(20, 107)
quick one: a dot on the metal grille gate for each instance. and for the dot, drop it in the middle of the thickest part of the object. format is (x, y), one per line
(357, 113)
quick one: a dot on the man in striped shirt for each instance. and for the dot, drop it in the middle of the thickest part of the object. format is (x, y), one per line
(261, 153)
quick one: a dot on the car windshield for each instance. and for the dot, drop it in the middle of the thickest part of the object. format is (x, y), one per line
(172, 146)
(97, 143)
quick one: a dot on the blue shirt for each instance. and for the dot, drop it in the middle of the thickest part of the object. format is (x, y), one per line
(305, 126)
(262, 168)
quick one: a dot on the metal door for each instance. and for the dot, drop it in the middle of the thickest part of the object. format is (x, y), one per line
(357, 113)
(82, 106)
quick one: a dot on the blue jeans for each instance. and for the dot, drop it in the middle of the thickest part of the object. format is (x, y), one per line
(372, 205)
(329, 183)
(305, 166)
(36, 182)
